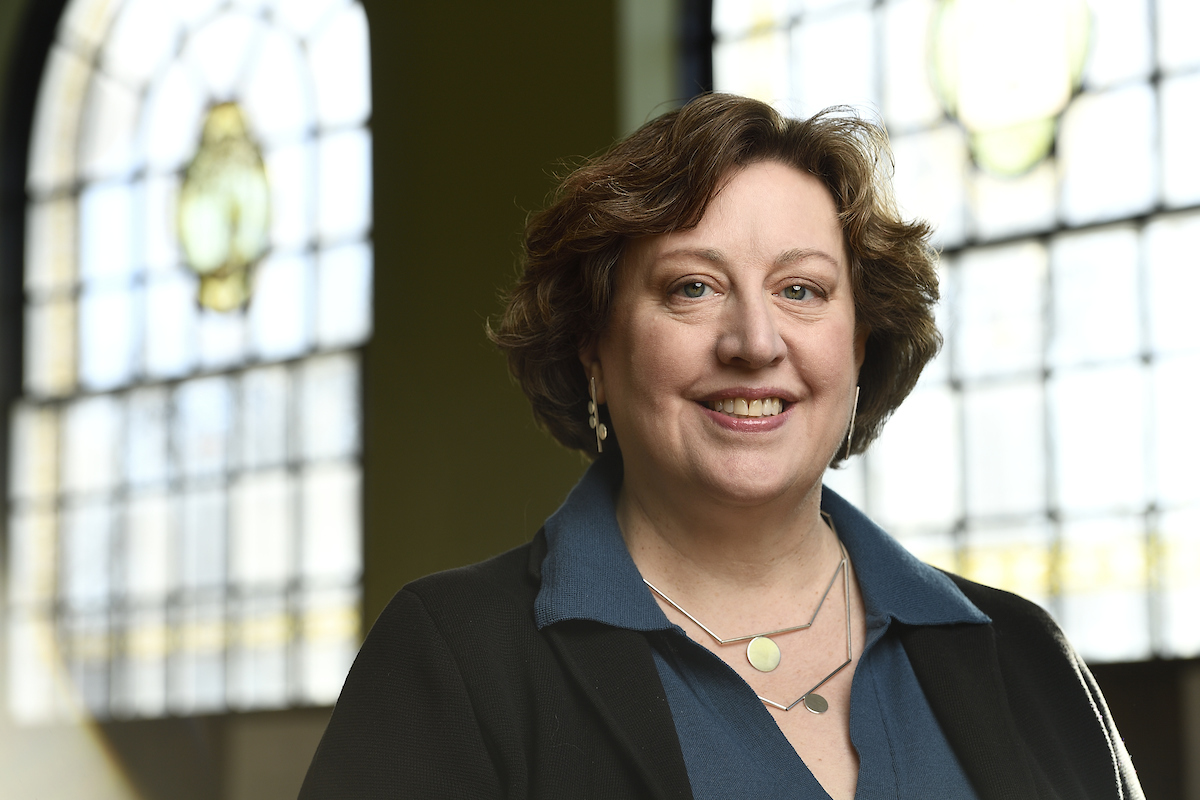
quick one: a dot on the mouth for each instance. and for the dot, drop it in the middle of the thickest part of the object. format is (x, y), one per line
(743, 407)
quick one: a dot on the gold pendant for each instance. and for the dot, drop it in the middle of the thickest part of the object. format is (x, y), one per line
(763, 654)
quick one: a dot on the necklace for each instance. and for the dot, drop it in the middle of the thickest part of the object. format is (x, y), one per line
(763, 653)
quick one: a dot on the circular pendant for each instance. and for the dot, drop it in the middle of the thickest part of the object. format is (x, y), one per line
(815, 703)
(763, 654)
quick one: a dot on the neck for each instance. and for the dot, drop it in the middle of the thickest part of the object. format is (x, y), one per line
(700, 547)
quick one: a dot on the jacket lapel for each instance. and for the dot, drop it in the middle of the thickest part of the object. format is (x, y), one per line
(615, 669)
(958, 670)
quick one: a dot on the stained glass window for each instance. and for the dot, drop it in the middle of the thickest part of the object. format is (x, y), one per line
(185, 530)
(1051, 447)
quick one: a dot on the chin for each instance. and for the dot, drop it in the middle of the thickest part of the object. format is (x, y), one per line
(757, 485)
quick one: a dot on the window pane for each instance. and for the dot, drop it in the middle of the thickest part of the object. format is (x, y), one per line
(1180, 117)
(329, 621)
(142, 39)
(197, 666)
(1014, 556)
(845, 40)
(50, 246)
(329, 397)
(755, 67)
(264, 430)
(1176, 434)
(1005, 449)
(908, 98)
(202, 558)
(1178, 21)
(1098, 418)
(344, 185)
(54, 141)
(219, 51)
(930, 168)
(146, 437)
(32, 556)
(261, 546)
(258, 657)
(1105, 579)
(1174, 276)
(280, 310)
(110, 118)
(1095, 279)
(1003, 206)
(330, 550)
(85, 581)
(175, 109)
(277, 105)
(171, 325)
(147, 549)
(50, 347)
(340, 54)
(344, 278)
(204, 410)
(1001, 294)
(1121, 46)
(302, 16)
(1096, 186)
(107, 337)
(91, 437)
(34, 454)
(921, 450)
(1181, 582)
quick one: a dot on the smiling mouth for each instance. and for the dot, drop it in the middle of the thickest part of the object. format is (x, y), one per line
(741, 407)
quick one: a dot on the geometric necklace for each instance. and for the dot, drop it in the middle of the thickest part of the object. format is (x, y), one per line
(763, 653)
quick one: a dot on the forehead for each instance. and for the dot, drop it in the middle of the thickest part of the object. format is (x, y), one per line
(765, 212)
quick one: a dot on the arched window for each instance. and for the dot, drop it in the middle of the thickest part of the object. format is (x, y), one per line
(1050, 448)
(185, 492)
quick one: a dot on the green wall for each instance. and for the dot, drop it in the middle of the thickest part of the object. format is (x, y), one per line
(476, 105)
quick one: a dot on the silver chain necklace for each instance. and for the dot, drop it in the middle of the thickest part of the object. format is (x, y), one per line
(763, 653)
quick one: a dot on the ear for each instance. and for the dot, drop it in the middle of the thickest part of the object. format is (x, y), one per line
(589, 356)
(861, 334)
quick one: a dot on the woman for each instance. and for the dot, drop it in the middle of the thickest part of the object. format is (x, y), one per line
(720, 307)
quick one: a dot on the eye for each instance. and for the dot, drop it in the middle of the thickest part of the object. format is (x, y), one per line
(694, 289)
(796, 292)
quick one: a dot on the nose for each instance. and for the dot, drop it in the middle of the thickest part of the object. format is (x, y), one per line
(749, 334)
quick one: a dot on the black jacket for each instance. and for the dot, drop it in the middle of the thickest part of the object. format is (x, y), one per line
(457, 694)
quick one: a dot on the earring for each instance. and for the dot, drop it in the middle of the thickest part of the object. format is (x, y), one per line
(594, 417)
(853, 414)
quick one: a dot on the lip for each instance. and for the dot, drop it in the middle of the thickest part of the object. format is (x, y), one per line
(749, 424)
(750, 394)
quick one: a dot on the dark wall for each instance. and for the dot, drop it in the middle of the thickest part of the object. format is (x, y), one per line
(475, 105)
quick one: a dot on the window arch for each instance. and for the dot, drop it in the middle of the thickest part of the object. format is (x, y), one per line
(184, 532)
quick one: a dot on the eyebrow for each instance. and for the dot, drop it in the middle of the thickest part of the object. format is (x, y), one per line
(717, 257)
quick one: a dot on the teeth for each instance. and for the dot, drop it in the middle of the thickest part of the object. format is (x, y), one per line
(741, 407)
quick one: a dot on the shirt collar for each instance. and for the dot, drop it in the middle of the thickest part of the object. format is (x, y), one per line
(588, 573)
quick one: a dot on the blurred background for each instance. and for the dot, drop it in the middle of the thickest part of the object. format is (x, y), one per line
(248, 247)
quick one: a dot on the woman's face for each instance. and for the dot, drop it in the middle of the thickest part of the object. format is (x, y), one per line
(730, 361)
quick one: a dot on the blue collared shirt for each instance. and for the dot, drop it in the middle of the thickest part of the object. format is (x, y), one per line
(731, 744)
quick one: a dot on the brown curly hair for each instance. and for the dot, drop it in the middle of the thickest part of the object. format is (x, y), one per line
(661, 179)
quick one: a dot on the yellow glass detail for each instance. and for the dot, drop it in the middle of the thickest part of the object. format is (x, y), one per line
(1006, 69)
(224, 210)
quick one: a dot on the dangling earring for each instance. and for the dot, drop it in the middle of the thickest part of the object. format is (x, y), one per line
(853, 414)
(594, 417)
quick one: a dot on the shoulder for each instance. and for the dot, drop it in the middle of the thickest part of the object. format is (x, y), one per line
(1016, 621)
(471, 604)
